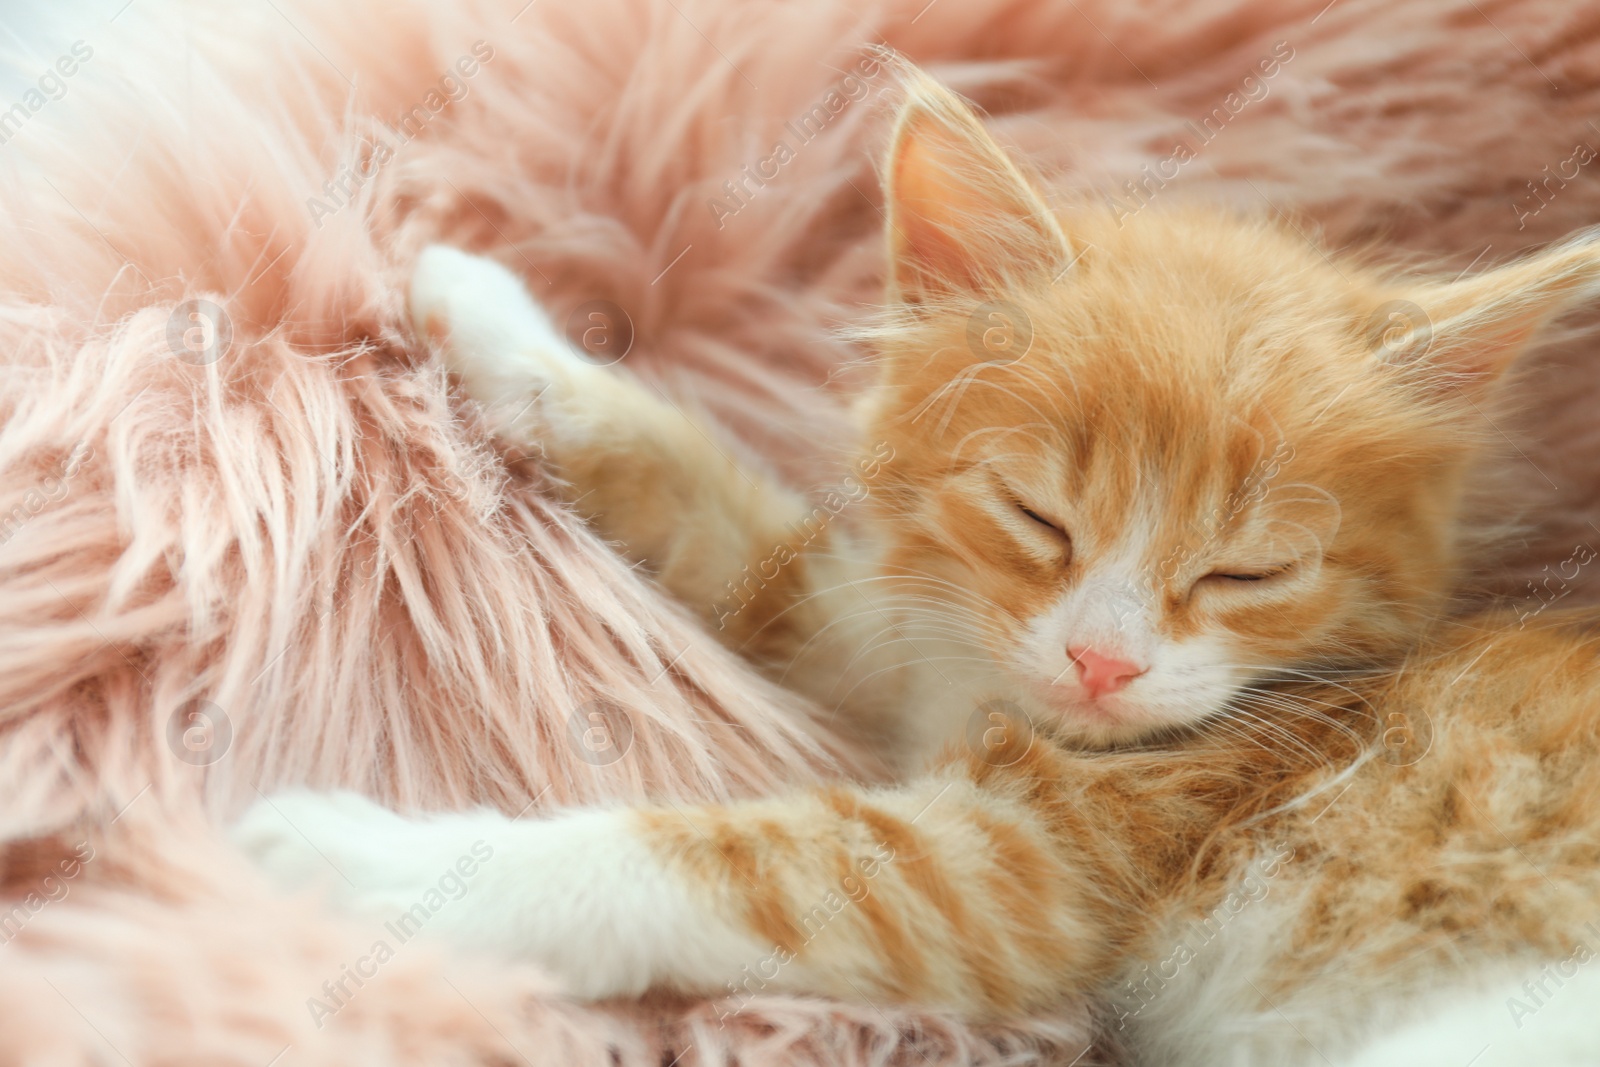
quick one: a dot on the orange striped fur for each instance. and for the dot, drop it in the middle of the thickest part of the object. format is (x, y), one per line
(1002, 887)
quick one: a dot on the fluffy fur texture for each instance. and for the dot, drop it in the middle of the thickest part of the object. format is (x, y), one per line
(301, 533)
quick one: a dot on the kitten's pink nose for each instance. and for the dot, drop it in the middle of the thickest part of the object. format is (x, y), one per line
(1102, 674)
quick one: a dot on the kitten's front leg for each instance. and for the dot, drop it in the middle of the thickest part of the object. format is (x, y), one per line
(942, 893)
(635, 466)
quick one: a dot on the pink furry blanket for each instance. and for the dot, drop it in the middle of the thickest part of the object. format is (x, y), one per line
(247, 540)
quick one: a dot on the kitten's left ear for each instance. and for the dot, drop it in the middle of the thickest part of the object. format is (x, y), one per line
(962, 215)
(1472, 330)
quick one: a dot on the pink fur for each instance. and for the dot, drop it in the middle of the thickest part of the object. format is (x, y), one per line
(320, 462)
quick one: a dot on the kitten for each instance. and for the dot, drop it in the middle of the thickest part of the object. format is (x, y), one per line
(1173, 486)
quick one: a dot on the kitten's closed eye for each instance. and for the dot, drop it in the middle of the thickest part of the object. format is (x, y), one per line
(1259, 574)
(1046, 526)
(1040, 519)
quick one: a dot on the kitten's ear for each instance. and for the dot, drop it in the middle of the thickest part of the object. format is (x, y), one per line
(1473, 329)
(962, 215)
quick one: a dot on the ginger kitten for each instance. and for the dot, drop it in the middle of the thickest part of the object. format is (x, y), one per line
(1118, 472)
(1174, 486)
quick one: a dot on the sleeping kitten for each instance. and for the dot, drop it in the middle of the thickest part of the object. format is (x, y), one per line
(1160, 486)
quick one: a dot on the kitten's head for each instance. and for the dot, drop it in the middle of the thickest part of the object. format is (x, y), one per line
(1140, 463)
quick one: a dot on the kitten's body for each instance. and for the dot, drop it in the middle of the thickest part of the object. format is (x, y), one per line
(1196, 477)
(1233, 903)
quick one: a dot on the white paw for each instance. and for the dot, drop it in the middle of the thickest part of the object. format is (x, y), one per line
(499, 344)
(363, 856)
(582, 894)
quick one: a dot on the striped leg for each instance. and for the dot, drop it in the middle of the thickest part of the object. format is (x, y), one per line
(947, 892)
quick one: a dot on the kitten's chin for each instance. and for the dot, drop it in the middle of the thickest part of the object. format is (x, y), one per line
(1108, 722)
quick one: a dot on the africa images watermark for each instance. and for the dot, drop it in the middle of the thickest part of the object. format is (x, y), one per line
(52, 489)
(53, 888)
(753, 177)
(1581, 556)
(1252, 89)
(754, 578)
(453, 87)
(1538, 990)
(451, 885)
(51, 85)
(1544, 190)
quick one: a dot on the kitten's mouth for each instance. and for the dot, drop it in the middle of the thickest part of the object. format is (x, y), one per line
(1077, 707)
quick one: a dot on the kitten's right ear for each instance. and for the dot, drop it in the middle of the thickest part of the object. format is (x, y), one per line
(1471, 330)
(963, 217)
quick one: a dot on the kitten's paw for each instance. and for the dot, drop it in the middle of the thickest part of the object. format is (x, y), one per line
(582, 894)
(490, 334)
(365, 857)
